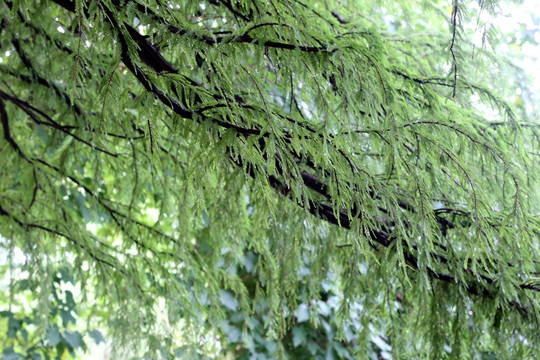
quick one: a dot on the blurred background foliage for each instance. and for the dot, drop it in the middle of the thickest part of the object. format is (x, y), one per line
(71, 324)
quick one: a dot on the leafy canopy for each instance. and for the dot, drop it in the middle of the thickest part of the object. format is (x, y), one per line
(187, 159)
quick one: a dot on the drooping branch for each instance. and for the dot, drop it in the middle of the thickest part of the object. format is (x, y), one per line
(311, 179)
(6, 129)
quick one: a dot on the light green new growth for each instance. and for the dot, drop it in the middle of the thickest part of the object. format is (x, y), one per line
(150, 145)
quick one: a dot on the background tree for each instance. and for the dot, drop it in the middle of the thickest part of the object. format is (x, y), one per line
(193, 160)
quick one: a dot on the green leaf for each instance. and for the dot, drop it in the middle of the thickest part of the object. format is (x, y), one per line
(234, 333)
(299, 336)
(10, 354)
(6, 313)
(23, 284)
(53, 335)
(302, 313)
(67, 318)
(13, 356)
(74, 339)
(96, 336)
(70, 302)
(341, 350)
(323, 308)
(228, 300)
(66, 276)
(81, 201)
(250, 259)
(14, 325)
(179, 352)
(312, 347)
(24, 334)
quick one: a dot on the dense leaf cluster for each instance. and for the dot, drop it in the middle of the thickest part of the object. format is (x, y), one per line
(156, 147)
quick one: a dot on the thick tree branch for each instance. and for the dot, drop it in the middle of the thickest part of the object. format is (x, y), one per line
(150, 55)
(6, 129)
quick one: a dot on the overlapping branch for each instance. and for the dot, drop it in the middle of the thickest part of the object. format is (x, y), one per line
(379, 236)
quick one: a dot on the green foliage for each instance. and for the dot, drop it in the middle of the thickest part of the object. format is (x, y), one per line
(315, 330)
(46, 332)
(207, 170)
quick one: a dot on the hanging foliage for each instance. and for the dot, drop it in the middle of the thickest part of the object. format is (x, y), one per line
(196, 159)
